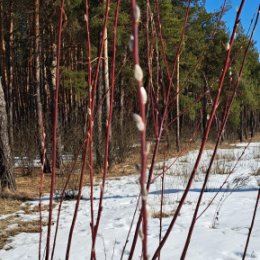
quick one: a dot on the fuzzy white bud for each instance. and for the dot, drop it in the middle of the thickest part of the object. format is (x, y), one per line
(143, 95)
(137, 14)
(131, 43)
(139, 122)
(138, 73)
(227, 46)
(89, 111)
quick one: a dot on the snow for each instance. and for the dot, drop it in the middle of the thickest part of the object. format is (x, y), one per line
(220, 233)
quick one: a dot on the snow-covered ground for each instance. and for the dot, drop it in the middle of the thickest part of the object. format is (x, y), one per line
(219, 234)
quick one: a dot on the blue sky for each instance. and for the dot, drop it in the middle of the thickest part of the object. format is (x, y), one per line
(249, 10)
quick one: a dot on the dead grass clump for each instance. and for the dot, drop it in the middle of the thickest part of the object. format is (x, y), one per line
(9, 206)
(227, 157)
(221, 167)
(163, 214)
(28, 209)
(19, 227)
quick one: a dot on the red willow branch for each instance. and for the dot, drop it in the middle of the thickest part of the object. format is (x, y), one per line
(55, 120)
(152, 47)
(180, 153)
(77, 201)
(225, 181)
(130, 229)
(232, 170)
(197, 100)
(91, 128)
(227, 110)
(161, 203)
(206, 48)
(62, 196)
(90, 110)
(252, 223)
(149, 56)
(108, 132)
(140, 121)
(206, 134)
(160, 130)
(88, 142)
(183, 150)
(89, 134)
(41, 186)
(78, 198)
(199, 60)
(100, 52)
(168, 95)
(228, 107)
(162, 41)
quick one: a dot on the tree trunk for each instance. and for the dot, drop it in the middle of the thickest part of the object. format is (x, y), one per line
(252, 124)
(241, 130)
(99, 158)
(122, 103)
(11, 78)
(40, 127)
(7, 178)
(107, 90)
(3, 49)
(178, 105)
(106, 75)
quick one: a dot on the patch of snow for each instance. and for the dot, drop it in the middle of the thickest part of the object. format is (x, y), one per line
(220, 233)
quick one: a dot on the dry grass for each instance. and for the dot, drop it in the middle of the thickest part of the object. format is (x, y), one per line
(227, 157)
(10, 203)
(18, 226)
(10, 207)
(163, 214)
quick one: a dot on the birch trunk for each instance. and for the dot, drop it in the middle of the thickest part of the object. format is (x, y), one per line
(178, 105)
(38, 93)
(106, 84)
(99, 158)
